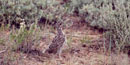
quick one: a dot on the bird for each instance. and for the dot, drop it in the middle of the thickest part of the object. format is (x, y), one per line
(55, 47)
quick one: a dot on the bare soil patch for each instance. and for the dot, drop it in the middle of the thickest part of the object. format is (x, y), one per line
(84, 47)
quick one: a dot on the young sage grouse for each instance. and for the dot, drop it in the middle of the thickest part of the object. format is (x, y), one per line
(57, 43)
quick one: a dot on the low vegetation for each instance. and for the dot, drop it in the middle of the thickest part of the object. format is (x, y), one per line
(112, 16)
(25, 23)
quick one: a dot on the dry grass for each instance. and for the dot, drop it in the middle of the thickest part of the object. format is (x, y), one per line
(77, 53)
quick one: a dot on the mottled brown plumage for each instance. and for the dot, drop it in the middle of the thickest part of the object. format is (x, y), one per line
(57, 43)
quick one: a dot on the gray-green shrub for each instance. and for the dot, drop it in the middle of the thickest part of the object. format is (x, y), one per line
(111, 15)
(17, 11)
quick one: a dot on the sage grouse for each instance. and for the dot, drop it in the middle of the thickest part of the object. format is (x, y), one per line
(57, 43)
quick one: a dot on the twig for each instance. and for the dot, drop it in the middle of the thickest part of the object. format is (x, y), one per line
(2, 51)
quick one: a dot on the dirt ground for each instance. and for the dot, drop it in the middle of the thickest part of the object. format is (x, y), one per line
(84, 46)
